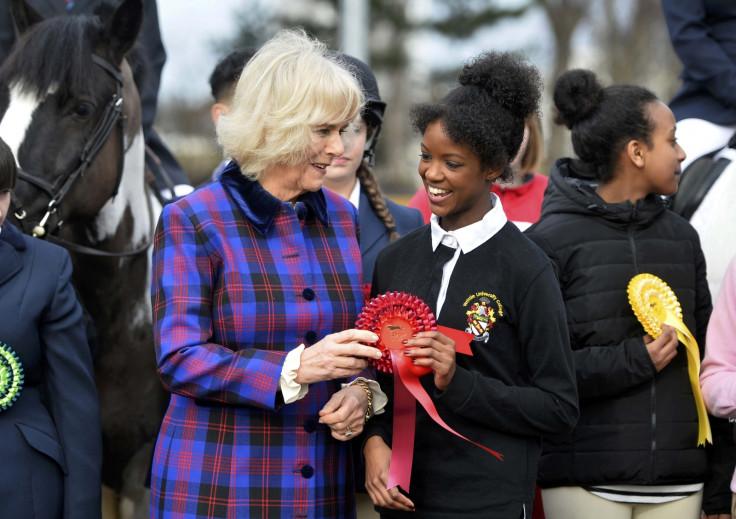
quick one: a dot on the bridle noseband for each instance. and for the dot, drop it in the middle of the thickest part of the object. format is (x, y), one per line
(111, 116)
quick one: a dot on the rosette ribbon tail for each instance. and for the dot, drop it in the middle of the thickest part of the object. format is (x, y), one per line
(402, 443)
(654, 304)
(693, 368)
(406, 385)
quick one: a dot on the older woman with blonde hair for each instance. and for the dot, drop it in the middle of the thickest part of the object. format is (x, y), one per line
(256, 286)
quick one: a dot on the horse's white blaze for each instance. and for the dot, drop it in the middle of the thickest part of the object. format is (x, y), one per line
(17, 118)
(156, 208)
(131, 194)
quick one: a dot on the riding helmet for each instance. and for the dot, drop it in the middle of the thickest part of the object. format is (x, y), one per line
(374, 105)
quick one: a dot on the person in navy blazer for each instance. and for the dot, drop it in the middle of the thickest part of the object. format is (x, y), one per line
(703, 35)
(50, 439)
(351, 175)
(375, 235)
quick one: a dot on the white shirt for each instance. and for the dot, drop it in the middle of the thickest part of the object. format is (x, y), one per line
(464, 240)
(355, 195)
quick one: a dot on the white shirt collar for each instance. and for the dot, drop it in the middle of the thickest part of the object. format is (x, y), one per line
(355, 195)
(471, 236)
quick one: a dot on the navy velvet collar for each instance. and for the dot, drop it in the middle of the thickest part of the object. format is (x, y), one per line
(260, 207)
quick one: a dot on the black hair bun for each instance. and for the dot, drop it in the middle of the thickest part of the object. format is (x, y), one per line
(577, 93)
(508, 79)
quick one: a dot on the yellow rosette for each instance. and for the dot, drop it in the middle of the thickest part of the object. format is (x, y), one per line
(654, 304)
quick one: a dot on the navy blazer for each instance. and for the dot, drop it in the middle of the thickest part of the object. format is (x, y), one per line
(373, 233)
(703, 34)
(50, 439)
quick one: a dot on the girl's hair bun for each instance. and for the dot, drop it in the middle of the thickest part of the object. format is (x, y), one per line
(577, 94)
(508, 79)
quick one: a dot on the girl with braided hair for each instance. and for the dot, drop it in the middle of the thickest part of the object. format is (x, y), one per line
(351, 175)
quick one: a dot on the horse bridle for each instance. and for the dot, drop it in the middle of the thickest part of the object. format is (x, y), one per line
(112, 115)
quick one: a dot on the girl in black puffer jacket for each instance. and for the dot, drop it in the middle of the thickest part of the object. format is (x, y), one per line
(604, 221)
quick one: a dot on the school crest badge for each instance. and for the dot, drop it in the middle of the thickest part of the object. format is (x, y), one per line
(482, 310)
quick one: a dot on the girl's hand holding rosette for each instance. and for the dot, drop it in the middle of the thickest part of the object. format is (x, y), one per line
(658, 310)
(435, 351)
(411, 347)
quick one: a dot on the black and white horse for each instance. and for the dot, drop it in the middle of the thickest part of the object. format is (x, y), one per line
(70, 110)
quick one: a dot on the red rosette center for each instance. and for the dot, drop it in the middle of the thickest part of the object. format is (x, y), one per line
(395, 317)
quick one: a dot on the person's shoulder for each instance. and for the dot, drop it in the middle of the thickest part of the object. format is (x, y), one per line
(25, 244)
(515, 244)
(539, 181)
(548, 226)
(410, 242)
(406, 218)
(200, 200)
(563, 223)
(520, 257)
(47, 259)
(678, 224)
(402, 209)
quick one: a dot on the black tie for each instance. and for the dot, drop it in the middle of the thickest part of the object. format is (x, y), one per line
(441, 255)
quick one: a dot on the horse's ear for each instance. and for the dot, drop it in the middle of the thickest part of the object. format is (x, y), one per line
(121, 30)
(24, 16)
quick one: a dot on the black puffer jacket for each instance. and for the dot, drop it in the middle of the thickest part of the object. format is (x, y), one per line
(636, 426)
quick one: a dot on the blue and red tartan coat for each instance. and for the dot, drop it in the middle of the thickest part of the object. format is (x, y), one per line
(239, 279)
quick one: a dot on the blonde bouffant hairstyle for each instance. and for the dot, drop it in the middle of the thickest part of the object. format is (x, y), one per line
(290, 86)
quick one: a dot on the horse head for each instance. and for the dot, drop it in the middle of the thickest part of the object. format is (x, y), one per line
(70, 111)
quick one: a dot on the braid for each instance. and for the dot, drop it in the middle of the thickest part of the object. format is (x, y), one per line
(368, 182)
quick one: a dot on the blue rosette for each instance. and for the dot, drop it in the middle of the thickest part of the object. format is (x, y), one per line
(11, 376)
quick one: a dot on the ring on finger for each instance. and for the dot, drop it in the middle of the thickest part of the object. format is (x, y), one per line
(348, 432)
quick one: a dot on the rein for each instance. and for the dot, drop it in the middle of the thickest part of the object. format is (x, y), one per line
(82, 249)
(111, 116)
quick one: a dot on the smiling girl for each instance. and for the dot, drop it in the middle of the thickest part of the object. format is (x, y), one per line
(495, 284)
(634, 450)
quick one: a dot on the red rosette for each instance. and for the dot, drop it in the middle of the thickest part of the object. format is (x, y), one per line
(395, 317)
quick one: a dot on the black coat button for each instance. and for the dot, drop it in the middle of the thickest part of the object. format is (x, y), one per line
(308, 294)
(307, 471)
(310, 426)
(310, 337)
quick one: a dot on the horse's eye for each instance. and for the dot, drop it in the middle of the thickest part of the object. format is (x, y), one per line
(82, 110)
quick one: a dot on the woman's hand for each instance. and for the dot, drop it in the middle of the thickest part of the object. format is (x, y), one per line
(345, 412)
(339, 355)
(377, 461)
(436, 351)
(662, 349)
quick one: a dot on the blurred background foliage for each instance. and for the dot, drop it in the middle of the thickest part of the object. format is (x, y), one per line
(417, 48)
